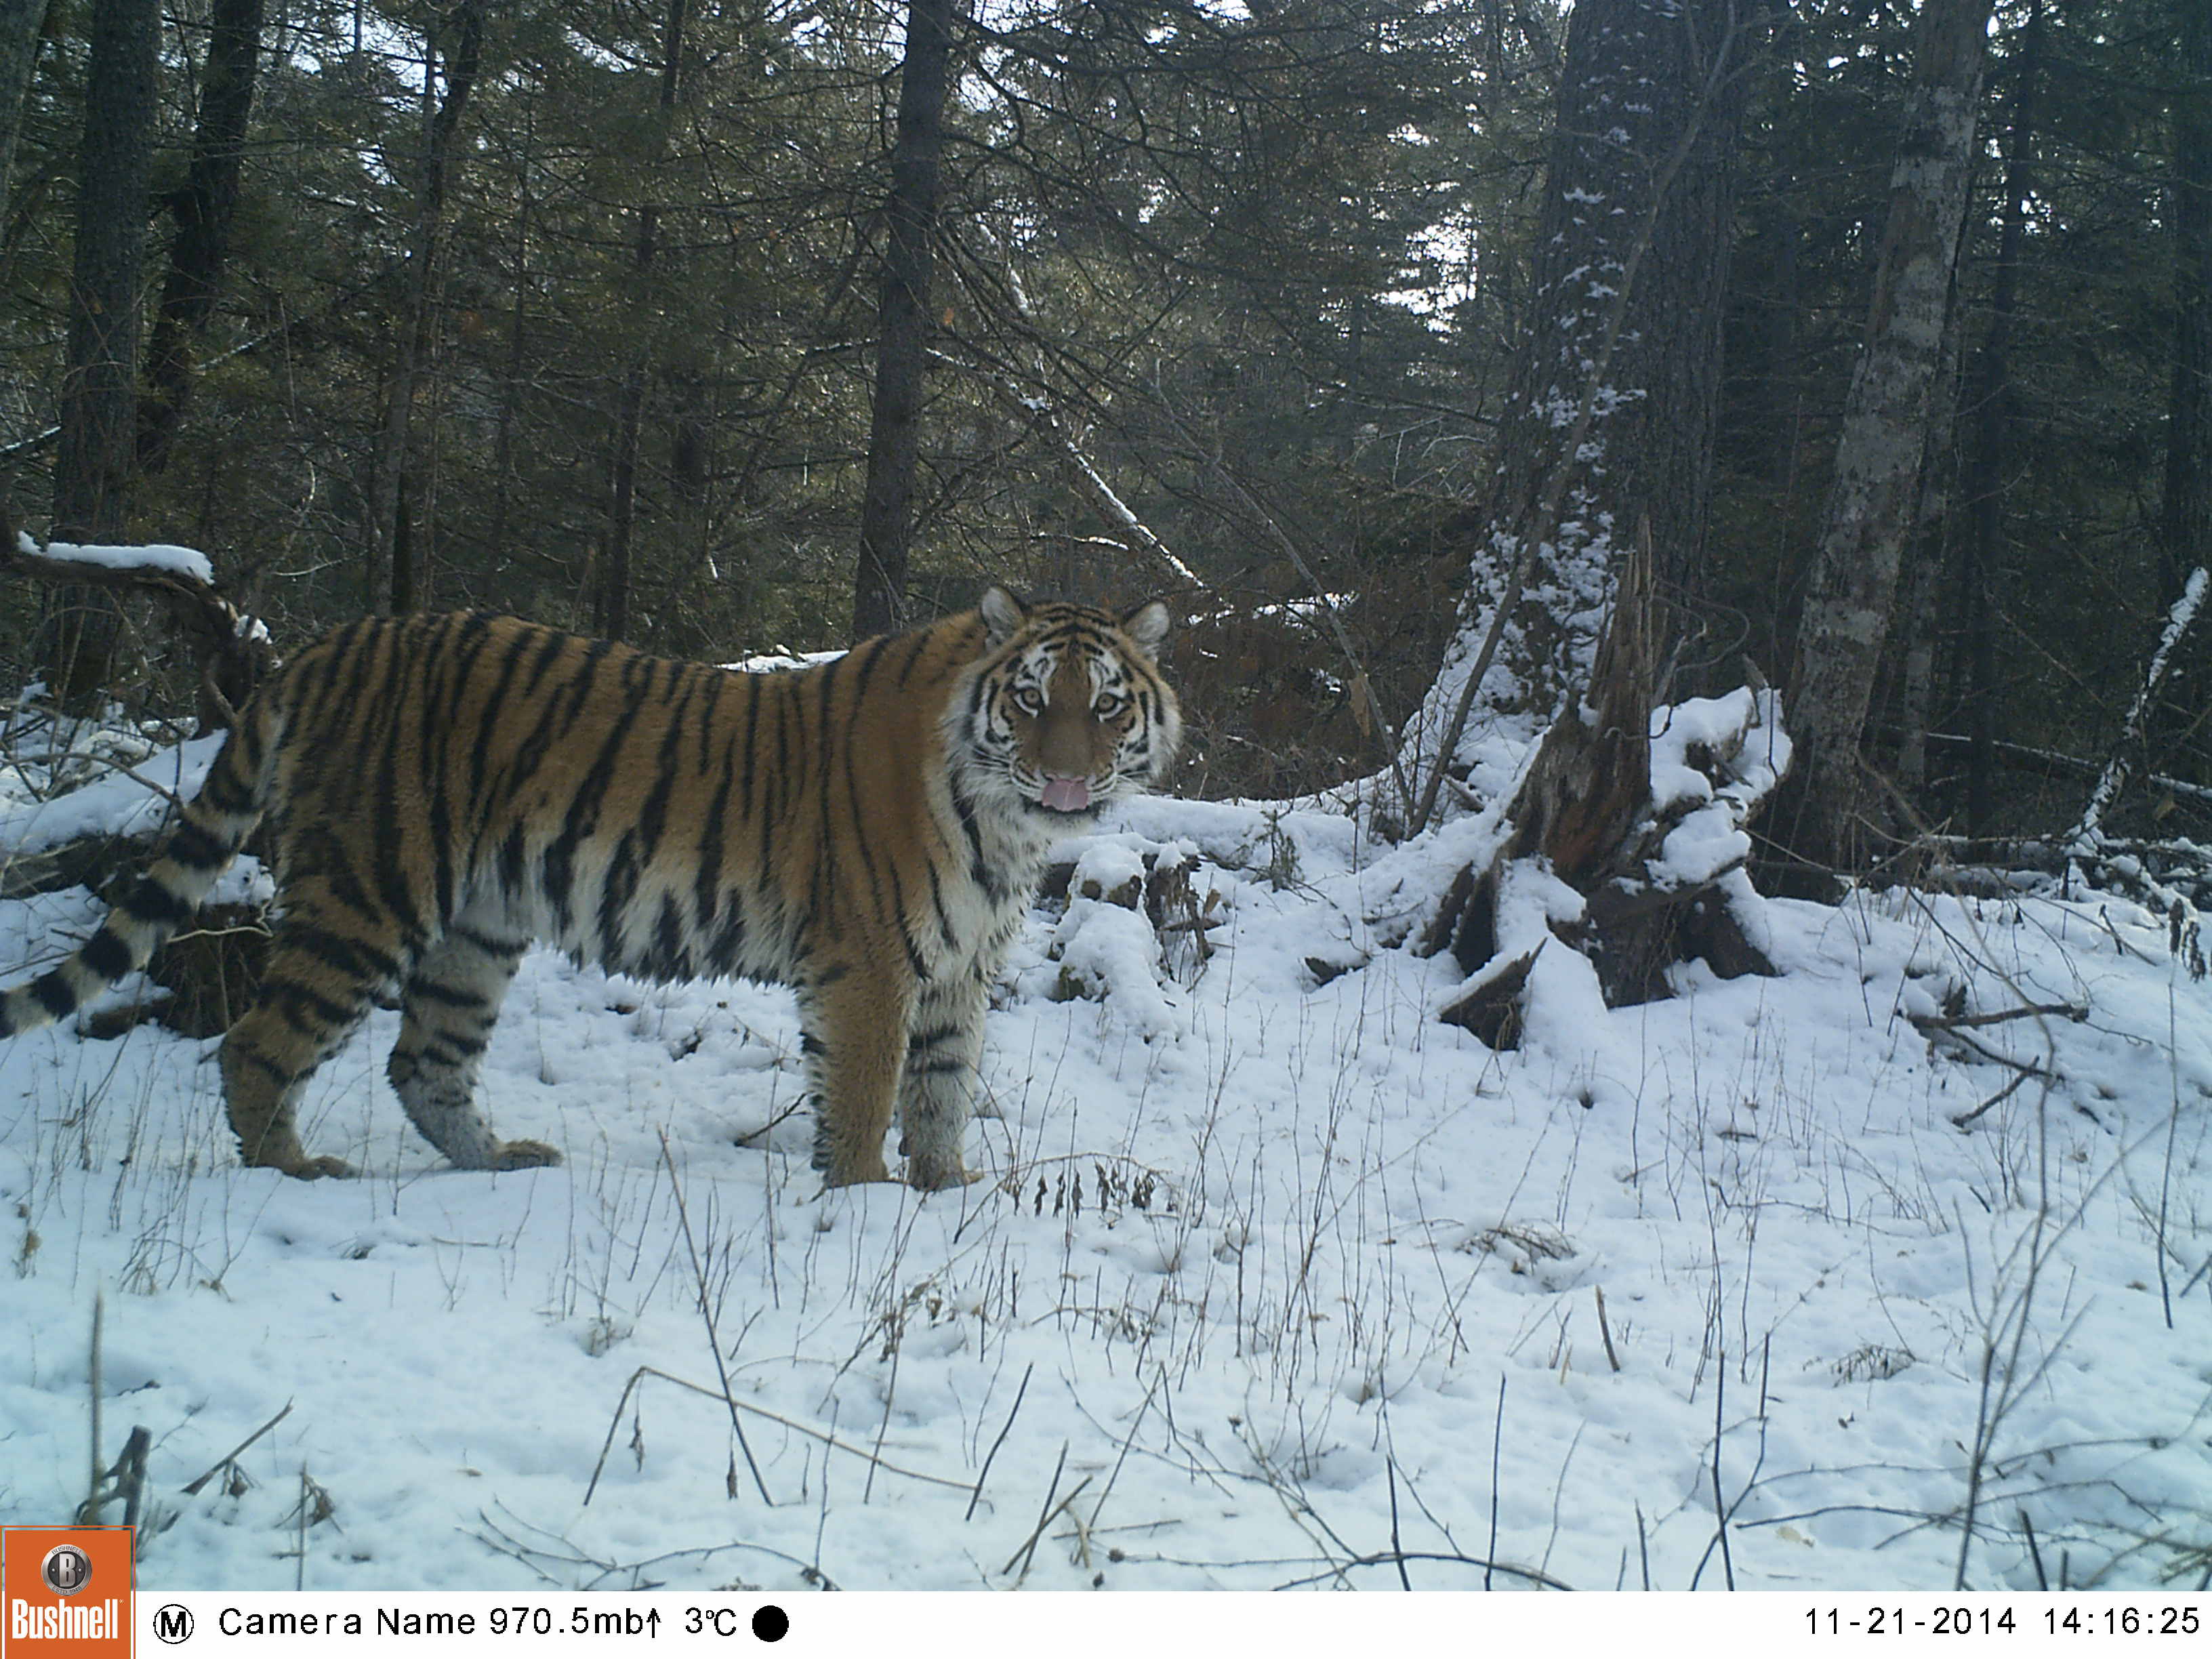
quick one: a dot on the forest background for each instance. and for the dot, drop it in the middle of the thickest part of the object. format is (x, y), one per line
(721, 327)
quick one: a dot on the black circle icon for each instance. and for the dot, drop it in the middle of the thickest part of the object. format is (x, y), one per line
(66, 1569)
(771, 1623)
(173, 1623)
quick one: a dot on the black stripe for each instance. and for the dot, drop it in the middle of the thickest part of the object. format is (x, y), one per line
(583, 815)
(726, 950)
(220, 793)
(357, 959)
(331, 1016)
(707, 884)
(616, 887)
(652, 816)
(445, 996)
(979, 869)
(918, 1041)
(260, 1062)
(560, 712)
(495, 702)
(506, 950)
(756, 691)
(54, 995)
(387, 838)
(914, 655)
(152, 902)
(106, 954)
(514, 864)
(671, 954)
(464, 644)
(195, 848)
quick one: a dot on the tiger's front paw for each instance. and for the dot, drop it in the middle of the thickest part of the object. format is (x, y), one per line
(524, 1155)
(930, 1174)
(300, 1167)
(854, 1172)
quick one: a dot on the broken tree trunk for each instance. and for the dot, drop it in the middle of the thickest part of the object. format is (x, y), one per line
(233, 651)
(1628, 844)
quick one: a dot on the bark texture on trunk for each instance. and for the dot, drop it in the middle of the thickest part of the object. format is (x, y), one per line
(395, 581)
(1853, 584)
(20, 24)
(903, 328)
(611, 592)
(1614, 390)
(204, 209)
(1990, 398)
(94, 462)
(2185, 517)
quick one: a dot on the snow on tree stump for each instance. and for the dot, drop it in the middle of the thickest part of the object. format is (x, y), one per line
(1627, 849)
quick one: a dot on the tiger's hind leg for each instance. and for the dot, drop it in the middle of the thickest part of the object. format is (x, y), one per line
(451, 1000)
(944, 1051)
(314, 993)
(853, 1024)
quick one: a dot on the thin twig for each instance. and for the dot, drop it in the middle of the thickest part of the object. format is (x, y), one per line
(1044, 1515)
(1720, 1511)
(232, 1455)
(883, 1428)
(2073, 1010)
(976, 1497)
(706, 1314)
(1531, 1574)
(1497, 1435)
(1127, 1441)
(1965, 1119)
(777, 1417)
(1397, 1545)
(1604, 1330)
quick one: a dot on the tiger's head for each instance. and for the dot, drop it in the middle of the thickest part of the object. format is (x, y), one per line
(1065, 711)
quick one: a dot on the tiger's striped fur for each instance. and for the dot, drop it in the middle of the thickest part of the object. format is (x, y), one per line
(444, 790)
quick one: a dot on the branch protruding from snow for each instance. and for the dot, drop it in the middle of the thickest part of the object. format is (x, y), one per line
(2089, 832)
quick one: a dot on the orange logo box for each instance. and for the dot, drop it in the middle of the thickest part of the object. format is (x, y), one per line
(65, 1593)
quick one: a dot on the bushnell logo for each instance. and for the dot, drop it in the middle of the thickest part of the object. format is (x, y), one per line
(66, 1569)
(65, 1592)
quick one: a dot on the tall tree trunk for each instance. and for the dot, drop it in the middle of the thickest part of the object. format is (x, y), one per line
(93, 464)
(610, 602)
(394, 581)
(903, 321)
(510, 392)
(1990, 399)
(20, 21)
(2185, 520)
(1853, 584)
(1927, 570)
(204, 209)
(1615, 383)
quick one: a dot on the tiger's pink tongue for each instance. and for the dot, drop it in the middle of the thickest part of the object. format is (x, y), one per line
(1065, 794)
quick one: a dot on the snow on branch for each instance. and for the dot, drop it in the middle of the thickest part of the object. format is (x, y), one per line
(2089, 832)
(154, 556)
(234, 651)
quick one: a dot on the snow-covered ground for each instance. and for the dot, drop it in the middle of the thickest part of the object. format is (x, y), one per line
(1272, 1278)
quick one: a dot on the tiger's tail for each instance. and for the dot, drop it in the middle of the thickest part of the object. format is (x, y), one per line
(214, 825)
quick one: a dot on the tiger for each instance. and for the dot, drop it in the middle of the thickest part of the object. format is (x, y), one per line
(443, 790)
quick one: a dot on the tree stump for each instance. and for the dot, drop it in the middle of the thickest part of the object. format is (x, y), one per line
(1657, 861)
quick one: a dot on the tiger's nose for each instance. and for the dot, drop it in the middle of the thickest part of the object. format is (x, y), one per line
(1065, 794)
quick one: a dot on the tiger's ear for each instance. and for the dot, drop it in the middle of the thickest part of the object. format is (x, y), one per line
(1147, 625)
(1003, 615)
